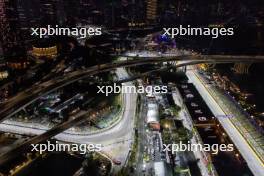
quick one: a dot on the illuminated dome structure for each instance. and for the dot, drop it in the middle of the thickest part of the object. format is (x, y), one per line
(45, 48)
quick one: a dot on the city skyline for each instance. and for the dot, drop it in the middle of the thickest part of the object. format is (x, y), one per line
(131, 88)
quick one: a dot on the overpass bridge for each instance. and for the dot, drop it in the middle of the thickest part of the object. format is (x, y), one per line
(28, 96)
(23, 99)
(179, 53)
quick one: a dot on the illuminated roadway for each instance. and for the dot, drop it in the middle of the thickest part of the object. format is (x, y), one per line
(23, 99)
(248, 153)
(119, 133)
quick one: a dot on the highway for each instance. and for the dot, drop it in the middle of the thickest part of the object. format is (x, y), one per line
(42, 136)
(23, 99)
(26, 97)
(194, 57)
(118, 136)
(253, 160)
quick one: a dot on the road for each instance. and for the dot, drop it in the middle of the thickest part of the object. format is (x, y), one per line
(23, 99)
(142, 138)
(37, 139)
(252, 159)
(118, 137)
(188, 123)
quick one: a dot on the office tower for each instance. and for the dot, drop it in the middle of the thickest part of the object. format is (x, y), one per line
(151, 11)
(10, 35)
(48, 12)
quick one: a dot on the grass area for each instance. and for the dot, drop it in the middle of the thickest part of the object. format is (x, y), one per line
(114, 112)
(182, 171)
(146, 157)
(175, 110)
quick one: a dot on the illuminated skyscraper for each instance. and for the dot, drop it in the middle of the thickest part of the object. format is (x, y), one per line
(151, 11)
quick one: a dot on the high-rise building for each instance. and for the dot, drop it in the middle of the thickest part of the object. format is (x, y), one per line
(151, 11)
(91, 12)
(10, 33)
(28, 17)
(71, 11)
(48, 12)
(136, 16)
(1, 51)
(28, 13)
